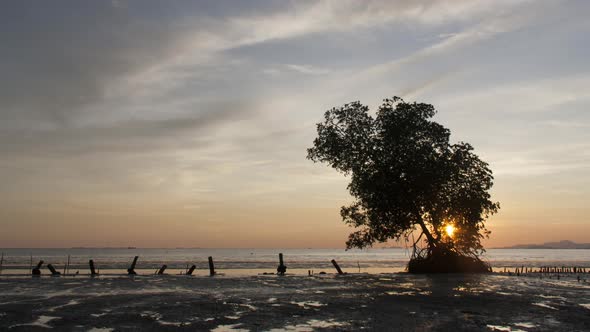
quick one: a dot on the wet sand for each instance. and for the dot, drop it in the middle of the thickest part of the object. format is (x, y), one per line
(374, 302)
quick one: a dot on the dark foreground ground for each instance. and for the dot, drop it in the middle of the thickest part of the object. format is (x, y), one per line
(383, 302)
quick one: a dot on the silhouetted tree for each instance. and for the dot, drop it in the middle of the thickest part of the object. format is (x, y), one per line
(406, 175)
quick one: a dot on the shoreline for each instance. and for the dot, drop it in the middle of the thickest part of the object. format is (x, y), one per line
(533, 270)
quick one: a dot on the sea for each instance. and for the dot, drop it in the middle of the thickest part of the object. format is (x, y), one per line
(243, 261)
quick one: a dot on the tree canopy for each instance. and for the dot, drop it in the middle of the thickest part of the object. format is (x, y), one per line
(406, 176)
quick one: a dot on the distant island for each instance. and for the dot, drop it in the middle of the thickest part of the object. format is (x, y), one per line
(563, 244)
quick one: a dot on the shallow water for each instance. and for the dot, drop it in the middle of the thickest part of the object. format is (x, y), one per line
(241, 262)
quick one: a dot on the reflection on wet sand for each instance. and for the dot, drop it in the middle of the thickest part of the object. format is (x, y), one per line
(296, 303)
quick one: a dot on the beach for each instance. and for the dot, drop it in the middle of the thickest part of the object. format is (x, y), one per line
(330, 302)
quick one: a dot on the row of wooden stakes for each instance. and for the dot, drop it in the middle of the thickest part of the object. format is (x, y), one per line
(550, 269)
(281, 269)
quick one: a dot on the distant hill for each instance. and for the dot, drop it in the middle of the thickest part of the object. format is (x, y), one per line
(564, 244)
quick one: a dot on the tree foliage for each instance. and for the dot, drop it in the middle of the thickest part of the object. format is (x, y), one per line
(405, 176)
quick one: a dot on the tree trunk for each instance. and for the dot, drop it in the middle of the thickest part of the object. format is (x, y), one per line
(426, 231)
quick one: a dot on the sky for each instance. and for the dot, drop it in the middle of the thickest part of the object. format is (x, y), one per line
(186, 123)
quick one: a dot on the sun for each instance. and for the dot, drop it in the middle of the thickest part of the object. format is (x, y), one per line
(450, 229)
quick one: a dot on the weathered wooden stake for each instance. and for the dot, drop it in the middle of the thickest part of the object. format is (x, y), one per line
(67, 266)
(211, 267)
(54, 272)
(337, 267)
(36, 271)
(191, 270)
(131, 269)
(92, 270)
(162, 269)
(281, 269)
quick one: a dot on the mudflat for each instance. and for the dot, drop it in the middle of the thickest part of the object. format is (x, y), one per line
(374, 302)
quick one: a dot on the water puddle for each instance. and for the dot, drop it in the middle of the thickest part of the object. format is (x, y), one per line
(305, 304)
(407, 293)
(525, 325)
(177, 324)
(553, 297)
(503, 328)
(229, 328)
(72, 302)
(311, 325)
(249, 306)
(42, 321)
(544, 305)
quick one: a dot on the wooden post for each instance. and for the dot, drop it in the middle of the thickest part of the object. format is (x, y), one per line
(131, 269)
(191, 270)
(337, 266)
(36, 271)
(162, 269)
(54, 272)
(1, 262)
(281, 269)
(92, 270)
(211, 267)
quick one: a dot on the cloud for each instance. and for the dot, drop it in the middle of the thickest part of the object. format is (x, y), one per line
(128, 136)
(86, 54)
(308, 70)
(525, 96)
(57, 59)
(486, 29)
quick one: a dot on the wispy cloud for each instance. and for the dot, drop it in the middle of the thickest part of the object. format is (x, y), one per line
(308, 70)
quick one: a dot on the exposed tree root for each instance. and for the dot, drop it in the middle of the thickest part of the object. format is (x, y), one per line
(447, 261)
